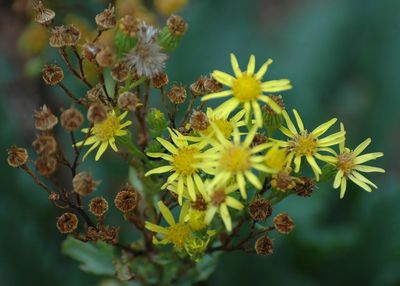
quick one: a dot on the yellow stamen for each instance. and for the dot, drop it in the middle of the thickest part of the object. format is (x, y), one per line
(246, 88)
(185, 158)
(235, 159)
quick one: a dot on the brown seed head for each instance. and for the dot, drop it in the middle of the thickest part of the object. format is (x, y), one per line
(106, 19)
(127, 199)
(97, 112)
(54, 197)
(106, 57)
(45, 144)
(128, 101)
(177, 94)
(176, 25)
(90, 50)
(283, 223)
(199, 121)
(264, 246)
(260, 209)
(211, 85)
(45, 119)
(46, 165)
(63, 36)
(43, 14)
(67, 223)
(198, 87)
(278, 100)
(283, 181)
(84, 184)
(95, 93)
(304, 187)
(110, 234)
(52, 74)
(98, 206)
(17, 156)
(160, 80)
(199, 204)
(71, 119)
(129, 25)
(120, 72)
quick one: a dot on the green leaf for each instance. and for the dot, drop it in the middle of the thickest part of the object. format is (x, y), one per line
(95, 258)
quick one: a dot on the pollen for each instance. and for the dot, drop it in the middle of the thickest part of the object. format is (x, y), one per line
(178, 234)
(246, 88)
(184, 160)
(345, 163)
(106, 129)
(235, 159)
(304, 144)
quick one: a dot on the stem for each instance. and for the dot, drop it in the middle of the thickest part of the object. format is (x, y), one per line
(71, 68)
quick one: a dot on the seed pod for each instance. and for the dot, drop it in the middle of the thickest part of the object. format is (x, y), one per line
(52, 74)
(95, 93)
(45, 119)
(98, 206)
(127, 199)
(106, 57)
(90, 50)
(45, 145)
(177, 94)
(84, 184)
(43, 15)
(283, 181)
(128, 101)
(46, 165)
(211, 85)
(17, 156)
(63, 36)
(264, 246)
(129, 26)
(106, 19)
(71, 119)
(198, 87)
(97, 113)
(199, 121)
(283, 223)
(160, 80)
(304, 187)
(67, 223)
(260, 209)
(120, 72)
(177, 25)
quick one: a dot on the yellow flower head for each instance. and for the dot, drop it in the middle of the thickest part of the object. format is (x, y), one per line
(185, 163)
(104, 133)
(247, 88)
(349, 164)
(224, 124)
(302, 143)
(236, 160)
(275, 158)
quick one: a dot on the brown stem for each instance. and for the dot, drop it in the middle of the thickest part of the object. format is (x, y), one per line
(70, 95)
(188, 110)
(71, 68)
(36, 179)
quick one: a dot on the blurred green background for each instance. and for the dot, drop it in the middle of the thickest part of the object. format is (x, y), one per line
(343, 58)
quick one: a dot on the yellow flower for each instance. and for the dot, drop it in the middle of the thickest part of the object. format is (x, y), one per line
(219, 200)
(308, 144)
(247, 88)
(224, 124)
(275, 158)
(195, 219)
(236, 160)
(176, 233)
(349, 164)
(185, 163)
(104, 133)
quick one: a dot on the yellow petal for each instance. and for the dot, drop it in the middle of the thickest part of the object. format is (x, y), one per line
(361, 147)
(321, 129)
(234, 203)
(220, 94)
(155, 228)
(298, 120)
(222, 77)
(159, 170)
(166, 213)
(251, 65)
(235, 66)
(102, 149)
(343, 186)
(226, 218)
(167, 145)
(261, 72)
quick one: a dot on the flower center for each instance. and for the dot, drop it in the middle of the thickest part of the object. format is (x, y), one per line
(178, 234)
(106, 129)
(275, 158)
(246, 88)
(185, 158)
(223, 125)
(218, 197)
(235, 159)
(304, 144)
(195, 219)
(345, 163)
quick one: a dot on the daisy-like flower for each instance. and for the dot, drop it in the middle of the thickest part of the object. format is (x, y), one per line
(184, 163)
(104, 133)
(237, 160)
(219, 198)
(302, 143)
(176, 233)
(223, 122)
(349, 164)
(146, 58)
(247, 88)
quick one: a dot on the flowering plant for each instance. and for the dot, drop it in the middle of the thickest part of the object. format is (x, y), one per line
(200, 183)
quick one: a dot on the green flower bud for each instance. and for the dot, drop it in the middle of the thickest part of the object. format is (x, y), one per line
(157, 122)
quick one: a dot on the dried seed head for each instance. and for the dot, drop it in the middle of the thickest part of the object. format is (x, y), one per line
(72, 36)
(106, 19)
(106, 57)
(260, 209)
(160, 80)
(177, 94)
(199, 204)
(198, 88)
(17, 156)
(93, 234)
(259, 139)
(45, 119)
(63, 36)
(43, 15)
(211, 85)
(67, 223)
(264, 246)
(129, 25)
(199, 121)
(98, 206)
(304, 187)
(90, 50)
(279, 100)
(84, 184)
(46, 165)
(177, 25)
(127, 199)
(120, 72)
(54, 197)
(283, 181)
(110, 234)
(45, 144)
(52, 74)
(97, 113)
(95, 93)
(71, 119)
(283, 223)
(128, 101)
